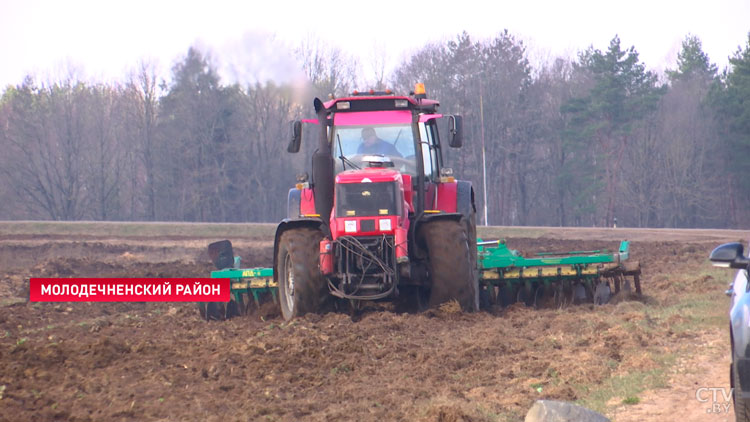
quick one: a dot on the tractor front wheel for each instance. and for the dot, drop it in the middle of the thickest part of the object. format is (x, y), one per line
(451, 267)
(302, 288)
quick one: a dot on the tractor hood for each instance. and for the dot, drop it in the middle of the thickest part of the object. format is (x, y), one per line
(370, 175)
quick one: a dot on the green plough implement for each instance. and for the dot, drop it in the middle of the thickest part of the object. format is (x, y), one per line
(505, 277)
(580, 276)
(246, 283)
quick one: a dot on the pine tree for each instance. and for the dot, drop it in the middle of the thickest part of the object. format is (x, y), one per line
(623, 94)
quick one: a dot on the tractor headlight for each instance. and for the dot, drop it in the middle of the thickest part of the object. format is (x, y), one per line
(384, 224)
(350, 226)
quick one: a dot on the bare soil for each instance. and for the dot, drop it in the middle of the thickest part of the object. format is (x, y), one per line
(160, 361)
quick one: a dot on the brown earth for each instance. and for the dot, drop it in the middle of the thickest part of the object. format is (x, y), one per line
(160, 361)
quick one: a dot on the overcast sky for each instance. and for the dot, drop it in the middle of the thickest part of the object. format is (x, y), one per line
(104, 39)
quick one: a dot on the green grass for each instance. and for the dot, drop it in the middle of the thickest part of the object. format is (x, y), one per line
(631, 400)
(629, 385)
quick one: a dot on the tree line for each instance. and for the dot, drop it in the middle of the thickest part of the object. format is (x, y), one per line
(593, 141)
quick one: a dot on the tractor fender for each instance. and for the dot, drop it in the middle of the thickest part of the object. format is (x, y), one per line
(465, 210)
(300, 203)
(457, 197)
(440, 216)
(293, 203)
(287, 224)
(465, 198)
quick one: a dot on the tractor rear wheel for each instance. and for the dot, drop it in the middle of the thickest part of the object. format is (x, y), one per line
(451, 267)
(302, 288)
(470, 225)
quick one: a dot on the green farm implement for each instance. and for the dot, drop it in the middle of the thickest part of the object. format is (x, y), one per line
(505, 277)
(246, 283)
(569, 277)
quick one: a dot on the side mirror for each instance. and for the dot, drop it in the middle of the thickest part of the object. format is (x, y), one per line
(457, 131)
(729, 255)
(296, 140)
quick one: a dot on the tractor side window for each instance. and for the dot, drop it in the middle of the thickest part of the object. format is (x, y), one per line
(429, 154)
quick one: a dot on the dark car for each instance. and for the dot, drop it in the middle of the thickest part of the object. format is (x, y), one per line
(731, 255)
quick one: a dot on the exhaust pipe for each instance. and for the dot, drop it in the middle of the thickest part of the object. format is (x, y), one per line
(322, 168)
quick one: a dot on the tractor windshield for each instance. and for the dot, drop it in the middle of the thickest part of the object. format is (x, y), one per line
(395, 141)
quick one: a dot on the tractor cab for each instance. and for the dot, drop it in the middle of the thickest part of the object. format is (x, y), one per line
(403, 130)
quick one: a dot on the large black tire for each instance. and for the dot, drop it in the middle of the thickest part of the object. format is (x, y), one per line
(452, 273)
(302, 288)
(470, 226)
(741, 405)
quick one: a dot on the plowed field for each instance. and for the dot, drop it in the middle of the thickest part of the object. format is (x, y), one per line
(160, 361)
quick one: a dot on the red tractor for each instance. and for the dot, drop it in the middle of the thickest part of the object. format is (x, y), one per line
(381, 217)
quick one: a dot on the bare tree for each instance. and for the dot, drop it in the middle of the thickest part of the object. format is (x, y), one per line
(328, 69)
(142, 106)
(44, 139)
(107, 151)
(269, 173)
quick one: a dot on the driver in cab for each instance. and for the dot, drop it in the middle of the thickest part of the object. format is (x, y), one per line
(371, 144)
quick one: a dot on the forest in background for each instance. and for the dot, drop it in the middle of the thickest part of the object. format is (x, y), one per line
(582, 142)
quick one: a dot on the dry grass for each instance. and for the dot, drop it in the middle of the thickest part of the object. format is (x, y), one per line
(263, 231)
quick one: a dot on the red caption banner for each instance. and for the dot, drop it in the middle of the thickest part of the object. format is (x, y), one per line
(129, 290)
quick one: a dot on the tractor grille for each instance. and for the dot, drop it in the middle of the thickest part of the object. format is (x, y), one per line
(367, 200)
(367, 225)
